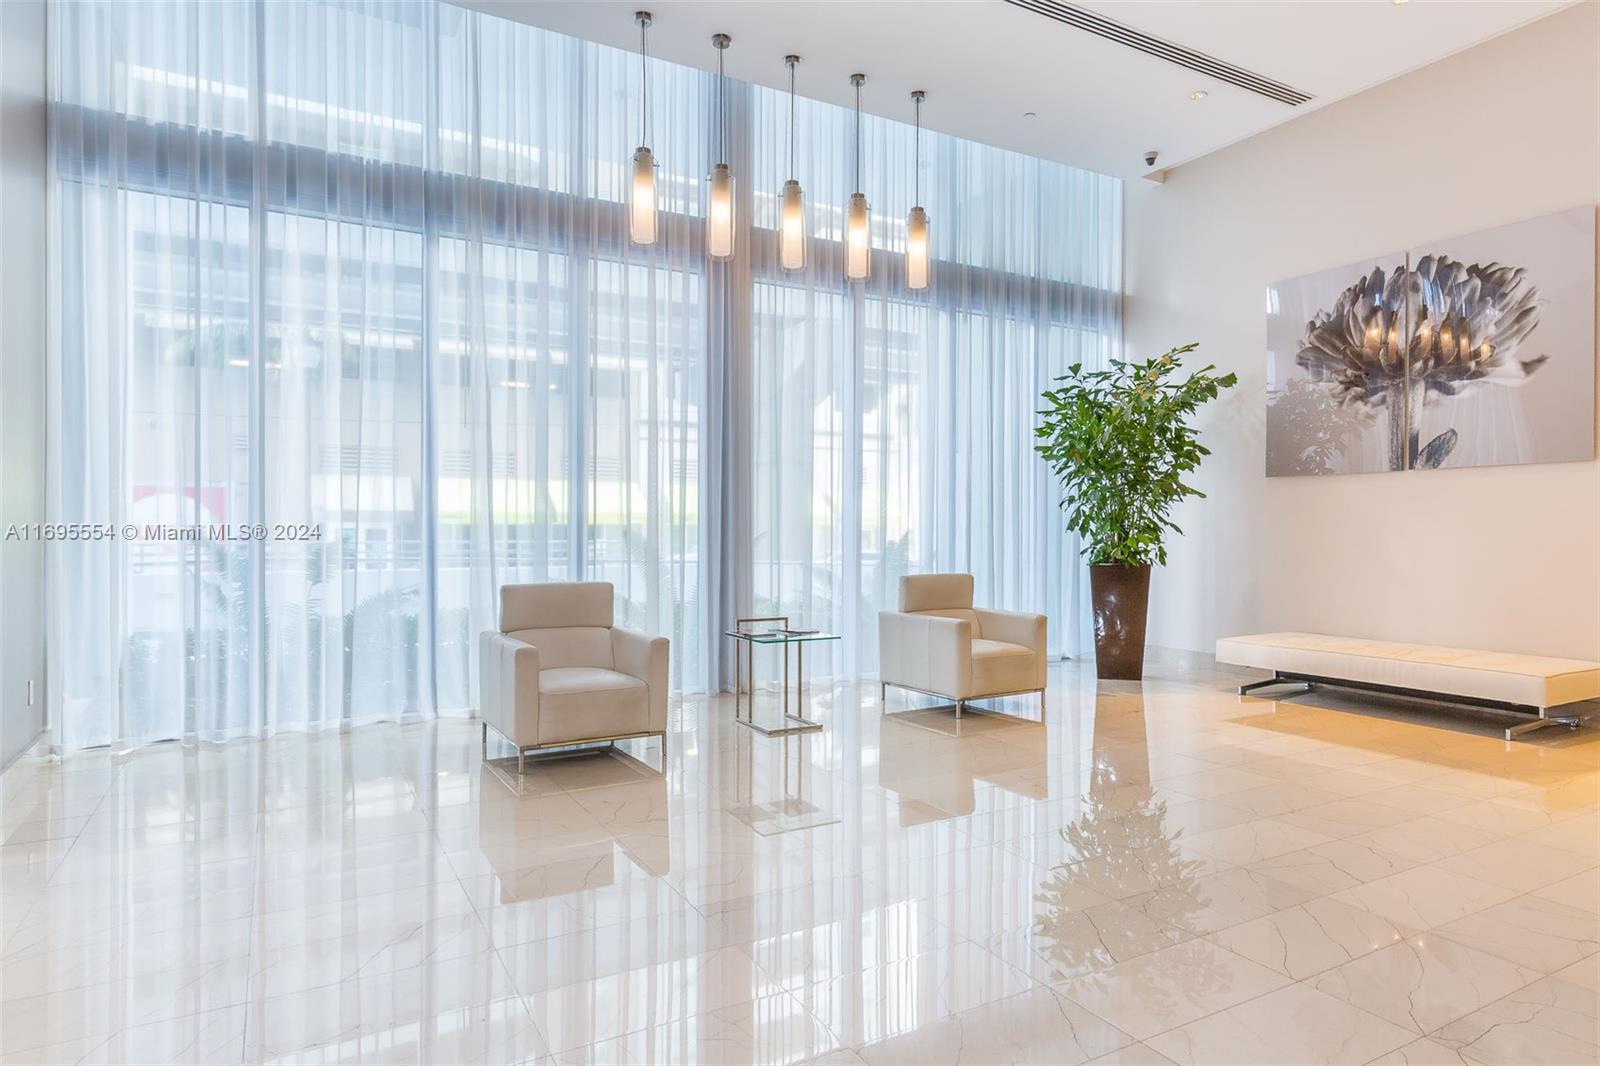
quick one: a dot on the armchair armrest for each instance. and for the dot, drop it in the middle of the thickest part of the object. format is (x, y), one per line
(1019, 627)
(926, 651)
(646, 658)
(508, 687)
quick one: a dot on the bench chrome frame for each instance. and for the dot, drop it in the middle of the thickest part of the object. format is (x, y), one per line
(1534, 718)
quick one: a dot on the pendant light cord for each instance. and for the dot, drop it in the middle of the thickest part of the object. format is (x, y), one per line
(644, 89)
(858, 136)
(722, 107)
(916, 166)
(791, 121)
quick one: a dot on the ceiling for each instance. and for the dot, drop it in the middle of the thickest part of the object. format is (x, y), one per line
(1097, 104)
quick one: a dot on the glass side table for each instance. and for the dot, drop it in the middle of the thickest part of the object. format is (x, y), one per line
(772, 629)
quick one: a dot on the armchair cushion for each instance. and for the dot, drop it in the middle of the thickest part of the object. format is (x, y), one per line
(936, 592)
(578, 703)
(1021, 628)
(575, 646)
(556, 605)
(1001, 667)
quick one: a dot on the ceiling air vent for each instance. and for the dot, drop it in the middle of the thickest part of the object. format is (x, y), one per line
(1198, 62)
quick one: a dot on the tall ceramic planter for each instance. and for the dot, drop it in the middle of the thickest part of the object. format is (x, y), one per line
(1121, 597)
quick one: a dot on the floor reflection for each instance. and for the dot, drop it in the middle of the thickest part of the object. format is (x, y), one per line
(1161, 863)
(932, 761)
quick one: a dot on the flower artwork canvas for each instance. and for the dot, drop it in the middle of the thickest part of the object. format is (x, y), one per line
(1335, 372)
(1471, 351)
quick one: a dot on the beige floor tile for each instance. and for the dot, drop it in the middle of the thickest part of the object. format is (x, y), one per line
(1549, 1021)
(1427, 839)
(1349, 817)
(1217, 901)
(1132, 1055)
(1318, 935)
(1296, 1024)
(1417, 797)
(771, 1029)
(1509, 815)
(1581, 891)
(1334, 866)
(1171, 987)
(1580, 834)
(614, 1005)
(886, 1000)
(856, 941)
(1150, 856)
(214, 1038)
(1062, 944)
(1518, 864)
(1424, 982)
(1537, 933)
(1212, 783)
(1036, 1026)
(1424, 1052)
(1253, 841)
(1578, 792)
(1270, 801)
(1424, 897)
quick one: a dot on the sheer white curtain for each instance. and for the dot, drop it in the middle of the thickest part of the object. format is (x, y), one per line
(358, 274)
(894, 429)
(358, 268)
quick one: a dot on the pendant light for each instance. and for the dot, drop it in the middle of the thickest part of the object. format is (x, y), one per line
(917, 221)
(719, 211)
(792, 228)
(857, 235)
(642, 197)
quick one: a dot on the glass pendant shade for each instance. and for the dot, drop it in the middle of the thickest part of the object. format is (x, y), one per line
(792, 229)
(719, 214)
(719, 187)
(642, 200)
(917, 249)
(857, 239)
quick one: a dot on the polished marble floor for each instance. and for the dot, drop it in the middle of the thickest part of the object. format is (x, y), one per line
(1154, 873)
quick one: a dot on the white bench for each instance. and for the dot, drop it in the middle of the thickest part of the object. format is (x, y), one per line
(1521, 684)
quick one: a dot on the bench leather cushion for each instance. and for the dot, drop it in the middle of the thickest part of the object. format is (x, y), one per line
(1531, 680)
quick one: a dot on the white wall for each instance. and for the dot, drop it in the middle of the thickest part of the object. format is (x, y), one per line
(22, 366)
(1505, 558)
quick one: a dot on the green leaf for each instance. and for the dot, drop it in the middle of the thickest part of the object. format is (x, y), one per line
(1120, 440)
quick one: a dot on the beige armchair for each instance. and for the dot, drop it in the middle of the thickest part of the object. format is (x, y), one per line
(558, 673)
(938, 644)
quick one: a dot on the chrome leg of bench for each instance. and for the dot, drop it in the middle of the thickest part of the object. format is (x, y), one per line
(1275, 679)
(1571, 721)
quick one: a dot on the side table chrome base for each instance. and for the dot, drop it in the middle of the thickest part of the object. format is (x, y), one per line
(744, 667)
(801, 725)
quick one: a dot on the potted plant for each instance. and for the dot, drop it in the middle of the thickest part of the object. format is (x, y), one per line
(1120, 441)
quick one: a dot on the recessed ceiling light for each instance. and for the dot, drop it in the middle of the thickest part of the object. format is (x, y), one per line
(1397, 3)
(1199, 94)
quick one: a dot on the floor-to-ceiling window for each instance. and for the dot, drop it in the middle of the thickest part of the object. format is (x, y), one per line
(358, 274)
(893, 429)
